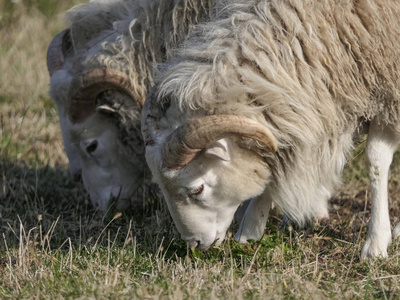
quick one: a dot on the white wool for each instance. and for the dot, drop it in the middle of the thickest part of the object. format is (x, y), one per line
(310, 71)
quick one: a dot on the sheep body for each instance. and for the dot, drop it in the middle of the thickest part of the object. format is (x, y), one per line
(312, 73)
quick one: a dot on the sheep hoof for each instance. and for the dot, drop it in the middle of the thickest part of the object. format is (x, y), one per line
(243, 238)
(375, 248)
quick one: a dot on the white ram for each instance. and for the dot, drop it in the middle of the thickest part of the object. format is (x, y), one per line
(264, 101)
(101, 68)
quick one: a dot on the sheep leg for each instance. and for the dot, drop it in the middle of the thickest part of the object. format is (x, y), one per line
(254, 220)
(381, 144)
(241, 211)
(396, 230)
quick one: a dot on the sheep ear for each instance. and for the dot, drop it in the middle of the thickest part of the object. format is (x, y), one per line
(218, 149)
(106, 109)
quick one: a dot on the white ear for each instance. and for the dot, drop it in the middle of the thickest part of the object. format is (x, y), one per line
(106, 109)
(219, 149)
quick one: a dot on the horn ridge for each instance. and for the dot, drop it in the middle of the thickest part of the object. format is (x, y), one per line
(189, 139)
(87, 86)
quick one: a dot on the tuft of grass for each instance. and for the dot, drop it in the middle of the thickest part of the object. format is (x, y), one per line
(53, 244)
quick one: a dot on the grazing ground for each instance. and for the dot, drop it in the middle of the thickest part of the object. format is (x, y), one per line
(54, 245)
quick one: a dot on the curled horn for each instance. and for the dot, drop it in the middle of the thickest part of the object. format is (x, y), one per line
(86, 87)
(57, 50)
(186, 142)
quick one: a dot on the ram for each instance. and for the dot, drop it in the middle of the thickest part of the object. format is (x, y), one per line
(264, 101)
(101, 68)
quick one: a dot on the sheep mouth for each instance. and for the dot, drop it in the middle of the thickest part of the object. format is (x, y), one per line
(193, 245)
(201, 246)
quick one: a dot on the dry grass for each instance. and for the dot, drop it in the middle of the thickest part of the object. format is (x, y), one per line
(29, 130)
(54, 245)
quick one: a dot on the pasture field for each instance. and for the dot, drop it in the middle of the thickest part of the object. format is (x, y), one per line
(54, 245)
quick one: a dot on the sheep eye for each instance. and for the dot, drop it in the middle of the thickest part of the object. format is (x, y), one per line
(92, 147)
(197, 191)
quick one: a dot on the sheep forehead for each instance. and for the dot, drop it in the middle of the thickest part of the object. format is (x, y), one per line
(197, 173)
(93, 127)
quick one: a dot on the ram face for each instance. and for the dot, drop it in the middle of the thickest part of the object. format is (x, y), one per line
(101, 68)
(204, 169)
(91, 98)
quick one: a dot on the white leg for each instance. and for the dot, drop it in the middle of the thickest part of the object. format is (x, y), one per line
(241, 211)
(253, 222)
(321, 215)
(382, 143)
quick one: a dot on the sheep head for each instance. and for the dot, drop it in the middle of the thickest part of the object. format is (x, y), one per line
(91, 135)
(204, 171)
(110, 168)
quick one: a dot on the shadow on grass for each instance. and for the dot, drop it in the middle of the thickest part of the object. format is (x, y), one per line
(44, 206)
(47, 202)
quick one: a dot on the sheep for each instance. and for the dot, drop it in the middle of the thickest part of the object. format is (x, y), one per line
(264, 102)
(101, 68)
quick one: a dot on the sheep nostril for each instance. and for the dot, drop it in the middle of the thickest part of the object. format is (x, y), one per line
(194, 244)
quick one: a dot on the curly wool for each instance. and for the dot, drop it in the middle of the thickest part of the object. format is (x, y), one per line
(310, 71)
(135, 35)
(146, 31)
